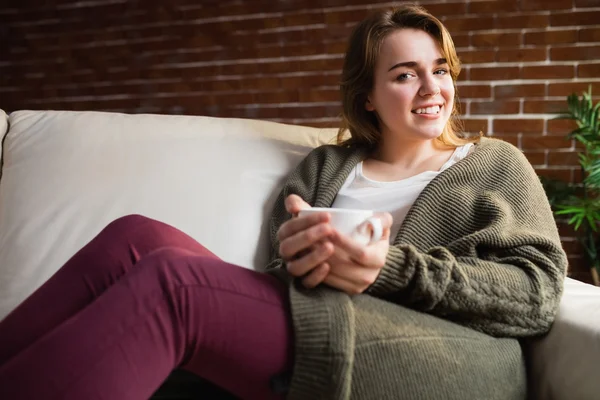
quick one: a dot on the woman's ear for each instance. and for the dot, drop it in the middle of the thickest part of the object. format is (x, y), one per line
(368, 105)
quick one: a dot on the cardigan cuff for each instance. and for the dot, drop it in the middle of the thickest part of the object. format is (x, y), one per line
(394, 275)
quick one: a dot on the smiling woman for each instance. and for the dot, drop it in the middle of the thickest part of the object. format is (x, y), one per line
(469, 261)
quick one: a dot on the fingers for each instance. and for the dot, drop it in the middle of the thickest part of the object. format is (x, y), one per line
(304, 239)
(386, 223)
(371, 256)
(386, 219)
(296, 225)
(316, 276)
(357, 283)
(306, 263)
(294, 203)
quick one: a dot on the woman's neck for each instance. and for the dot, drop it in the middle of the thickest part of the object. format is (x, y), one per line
(408, 154)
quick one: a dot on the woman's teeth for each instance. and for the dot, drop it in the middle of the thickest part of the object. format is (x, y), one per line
(428, 110)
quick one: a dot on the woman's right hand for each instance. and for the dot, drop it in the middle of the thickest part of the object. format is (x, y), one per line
(304, 243)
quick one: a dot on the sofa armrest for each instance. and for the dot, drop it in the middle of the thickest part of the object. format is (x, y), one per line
(564, 363)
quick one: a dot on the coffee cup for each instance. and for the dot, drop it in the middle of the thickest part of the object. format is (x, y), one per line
(352, 222)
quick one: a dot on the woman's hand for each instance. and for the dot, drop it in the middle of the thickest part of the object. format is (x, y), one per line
(354, 267)
(304, 243)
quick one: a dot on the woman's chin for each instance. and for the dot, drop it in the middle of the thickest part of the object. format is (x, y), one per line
(428, 134)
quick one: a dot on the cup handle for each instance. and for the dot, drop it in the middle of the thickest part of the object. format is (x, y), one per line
(377, 229)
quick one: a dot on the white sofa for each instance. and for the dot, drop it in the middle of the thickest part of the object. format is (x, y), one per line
(65, 175)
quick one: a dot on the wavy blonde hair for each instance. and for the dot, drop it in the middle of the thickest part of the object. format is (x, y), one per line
(359, 66)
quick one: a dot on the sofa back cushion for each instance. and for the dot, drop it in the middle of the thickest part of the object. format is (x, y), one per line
(66, 175)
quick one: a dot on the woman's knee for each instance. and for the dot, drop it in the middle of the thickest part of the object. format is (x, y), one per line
(135, 236)
(129, 222)
(173, 267)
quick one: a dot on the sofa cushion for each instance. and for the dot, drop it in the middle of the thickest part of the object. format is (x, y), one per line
(67, 174)
(561, 362)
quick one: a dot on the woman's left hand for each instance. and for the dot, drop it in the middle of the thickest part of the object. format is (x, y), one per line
(354, 267)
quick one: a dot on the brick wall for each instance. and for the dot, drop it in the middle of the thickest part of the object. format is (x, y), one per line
(280, 60)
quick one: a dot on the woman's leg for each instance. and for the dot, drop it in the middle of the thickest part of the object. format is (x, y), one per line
(94, 268)
(228, 324)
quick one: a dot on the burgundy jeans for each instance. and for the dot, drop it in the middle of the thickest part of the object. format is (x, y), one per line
(141, 299)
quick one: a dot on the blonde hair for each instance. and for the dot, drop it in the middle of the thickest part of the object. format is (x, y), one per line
(359, 66)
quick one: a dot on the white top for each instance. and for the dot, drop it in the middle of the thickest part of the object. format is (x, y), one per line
(395, 197)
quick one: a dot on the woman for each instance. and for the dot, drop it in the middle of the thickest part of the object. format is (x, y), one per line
(470, 260)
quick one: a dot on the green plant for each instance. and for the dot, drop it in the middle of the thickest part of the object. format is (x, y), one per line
(580, 202)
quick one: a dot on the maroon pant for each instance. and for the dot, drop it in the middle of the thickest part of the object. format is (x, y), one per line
(141, 299)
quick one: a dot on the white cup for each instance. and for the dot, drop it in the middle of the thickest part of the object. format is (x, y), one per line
(352, 222)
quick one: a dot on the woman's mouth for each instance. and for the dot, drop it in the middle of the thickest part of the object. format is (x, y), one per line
(433, 110)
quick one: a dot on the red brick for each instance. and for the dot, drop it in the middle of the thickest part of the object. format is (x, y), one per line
(566, 89)
(586, 3)
(493, 6)
(560, 126)
(500, 39)
(576, 18)
(288, 96)
(577, 174)
(495, 107)
(309, 112)
(570, 158)
(548, 72)
(544, 5)
(345, 16)
(442, 9)
(468, 24)
(300, 81)
(494, 73)
(520, 90)
(335, 47)
(551, 37)
(510, 138)
(474, 91)
(477, 56)
(575, 53)
(521, 125)
(562, 174)
(461, 40)
(565, 229)
(584, 276)
(538, 142)
(588, 70)
(529, 21)
(319, 95)
(521, 55)
(589, 35)
(475, 125)
(465, 74)
(544, 106)
(536, 157)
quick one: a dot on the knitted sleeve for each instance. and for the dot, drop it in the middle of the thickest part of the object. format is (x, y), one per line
(503, 274)
(303, 181)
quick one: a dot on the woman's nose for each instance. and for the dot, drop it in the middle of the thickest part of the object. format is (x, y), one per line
(429, 87)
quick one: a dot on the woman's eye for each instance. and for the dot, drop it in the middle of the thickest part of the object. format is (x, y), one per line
(441, 72)
(403, 77)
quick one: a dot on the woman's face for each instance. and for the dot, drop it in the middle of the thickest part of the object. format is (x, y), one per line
(413, 92)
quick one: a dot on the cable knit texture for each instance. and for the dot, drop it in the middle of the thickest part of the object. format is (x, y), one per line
(476, 264)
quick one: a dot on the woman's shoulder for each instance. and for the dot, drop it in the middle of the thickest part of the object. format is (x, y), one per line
(333, 153)
(499, 150)
(502, 161)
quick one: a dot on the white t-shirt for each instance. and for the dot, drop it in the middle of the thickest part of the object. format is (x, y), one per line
(394, 197)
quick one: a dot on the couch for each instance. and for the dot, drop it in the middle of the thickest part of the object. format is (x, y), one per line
(65, 175)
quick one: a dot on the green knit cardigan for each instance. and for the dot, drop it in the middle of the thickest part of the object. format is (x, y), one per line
(478, 258)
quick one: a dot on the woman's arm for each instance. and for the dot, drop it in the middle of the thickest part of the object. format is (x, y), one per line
(503, 272)
(511, 293)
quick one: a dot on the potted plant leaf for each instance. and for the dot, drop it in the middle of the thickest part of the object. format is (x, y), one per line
(580, 202)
